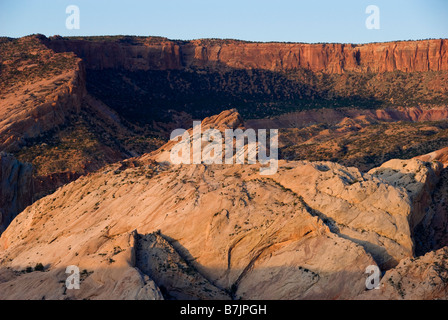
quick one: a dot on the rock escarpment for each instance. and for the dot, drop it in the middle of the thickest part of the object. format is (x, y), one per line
(161, 54)
(40, 90)
(432, 233)
(16, 188)
(422, 278)
(204, 77)
(49, 107)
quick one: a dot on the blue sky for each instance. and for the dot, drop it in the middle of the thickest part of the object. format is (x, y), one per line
(256, 20)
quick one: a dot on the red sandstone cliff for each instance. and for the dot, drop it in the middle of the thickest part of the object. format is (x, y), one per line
(160, 53)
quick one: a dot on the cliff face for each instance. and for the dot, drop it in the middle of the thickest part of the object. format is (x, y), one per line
(39, 107)
(141, 76)
(39, 89)
(429, 55)
(164, 54)
(16, 188)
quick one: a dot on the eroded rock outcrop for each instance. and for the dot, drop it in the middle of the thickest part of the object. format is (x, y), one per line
(106, 270)
(418, 178)
(236, 230)
(438, 155)
(432, 232)
(422, 278)
(157, 258)
(38, 92)
(308, 231)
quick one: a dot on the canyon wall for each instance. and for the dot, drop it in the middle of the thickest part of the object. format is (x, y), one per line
(163, 54)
